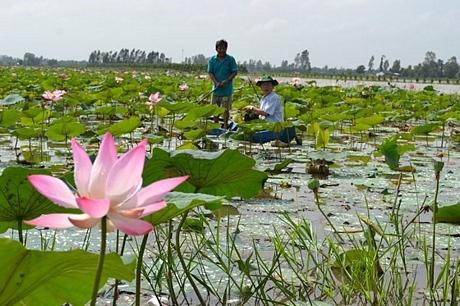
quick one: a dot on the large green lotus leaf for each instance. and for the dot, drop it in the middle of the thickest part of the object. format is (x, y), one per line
(449, 214)
(204, 111)
(63, 131)
(195, 134)
(179, 202)
(424, 129)
(32, 277)
(19, 200)
(336, 117)
(359, 127)
(9, 117)
(124, 126)
(278, 126)
(226, 173)
(322, 138)
(372, 120)
(390, 150)
(11, 99)
(176, 107)
(25, 133)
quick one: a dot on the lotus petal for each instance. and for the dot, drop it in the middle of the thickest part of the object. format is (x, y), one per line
(153, 192)
(53, 220)
(126, 174)
(105, 159)
(95, 208)
(54, 189)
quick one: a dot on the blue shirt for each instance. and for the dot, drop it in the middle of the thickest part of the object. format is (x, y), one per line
(222, 70)
(271, 104)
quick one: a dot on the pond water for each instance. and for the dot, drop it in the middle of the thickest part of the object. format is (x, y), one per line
(349, 83)
(358, 182)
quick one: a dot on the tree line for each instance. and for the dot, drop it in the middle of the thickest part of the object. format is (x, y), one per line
(430, 67)
(128, 57)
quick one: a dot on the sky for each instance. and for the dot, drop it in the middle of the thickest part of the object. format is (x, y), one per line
(336, 33)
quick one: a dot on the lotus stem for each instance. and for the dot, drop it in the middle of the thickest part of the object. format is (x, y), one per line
(100, 264)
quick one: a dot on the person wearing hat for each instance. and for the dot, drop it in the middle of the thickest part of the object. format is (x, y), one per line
(270, 108)
(222, 69)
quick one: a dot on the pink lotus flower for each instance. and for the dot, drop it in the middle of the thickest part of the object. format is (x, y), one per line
(412, 86)
(183, 87)
(294, 81)
(118, 80)
(111, 188)
(54, 96)
(153, 100)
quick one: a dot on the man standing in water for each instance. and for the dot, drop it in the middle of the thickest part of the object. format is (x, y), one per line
(222, 69)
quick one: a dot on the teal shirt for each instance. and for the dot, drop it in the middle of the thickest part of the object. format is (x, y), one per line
(222, 70)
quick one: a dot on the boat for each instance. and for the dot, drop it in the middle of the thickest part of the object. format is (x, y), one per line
(232, 127)
(286, 136)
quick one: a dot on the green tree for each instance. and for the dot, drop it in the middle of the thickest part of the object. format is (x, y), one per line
(451, 68)
(31, 60)
(361, 69)
(370, 65)
(386, 65)
(396, 68)
(302, 61)
(430, 66)
(381, 62)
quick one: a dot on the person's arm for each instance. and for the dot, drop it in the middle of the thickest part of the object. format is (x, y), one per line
(256, 110)
(234, 70)
(232, 76)
(211, 74)
(214, 80)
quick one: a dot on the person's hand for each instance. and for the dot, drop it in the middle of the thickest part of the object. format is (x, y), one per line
(248, 108)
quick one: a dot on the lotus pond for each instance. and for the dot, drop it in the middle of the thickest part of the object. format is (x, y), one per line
(344, 215)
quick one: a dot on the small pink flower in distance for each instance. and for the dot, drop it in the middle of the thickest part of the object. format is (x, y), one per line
(48, 95)
(153, 100)
(183, 87)
(118, 80)
(412, 86)
(148, 77)
(294, 81)
(64, 75)
(54, 96)
(110, 187)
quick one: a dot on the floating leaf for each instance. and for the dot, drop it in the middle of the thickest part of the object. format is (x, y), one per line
(448, 214)
(9, 117)
(64, 131)
(372, 121)
(179, 202)
(11, 99)
(424, 129)
(125, 126)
